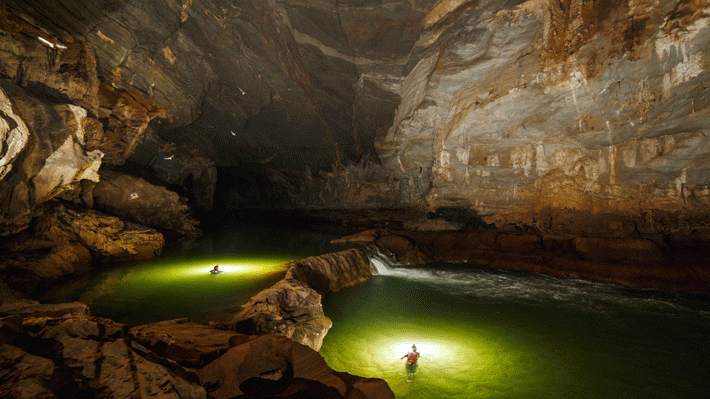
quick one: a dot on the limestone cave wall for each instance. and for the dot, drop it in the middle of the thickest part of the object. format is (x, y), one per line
(588, 107)
(539, 112)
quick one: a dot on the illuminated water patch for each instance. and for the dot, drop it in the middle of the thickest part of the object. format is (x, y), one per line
(525, 344)
(462, 356)
(165, 289)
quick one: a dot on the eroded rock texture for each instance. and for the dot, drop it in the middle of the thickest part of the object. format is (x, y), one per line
(595, 107)
(65, 242)
(518, 109)
(60, 351)
(292, 307)
(59, 126)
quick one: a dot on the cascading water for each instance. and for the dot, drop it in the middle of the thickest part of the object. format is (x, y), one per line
(495, 334)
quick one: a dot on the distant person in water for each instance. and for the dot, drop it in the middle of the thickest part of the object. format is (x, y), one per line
(412, 358)
(215, 270)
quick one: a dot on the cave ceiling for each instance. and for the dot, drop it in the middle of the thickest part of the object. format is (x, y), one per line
(506, 107)
(292, 82)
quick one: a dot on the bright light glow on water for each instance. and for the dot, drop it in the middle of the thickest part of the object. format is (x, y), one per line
(488, 334)
(160, 290)
(250, 253)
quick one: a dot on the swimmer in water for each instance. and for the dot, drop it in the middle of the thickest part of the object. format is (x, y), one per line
(215, 270)
(412, 358)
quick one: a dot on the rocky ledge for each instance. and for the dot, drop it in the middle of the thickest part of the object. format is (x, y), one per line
(50, 351)
(292, 307)
(671, 261)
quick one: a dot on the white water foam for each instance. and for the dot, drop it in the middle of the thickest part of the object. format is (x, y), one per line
(503, 285)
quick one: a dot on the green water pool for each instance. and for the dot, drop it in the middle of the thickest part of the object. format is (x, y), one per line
(487, 334)
(252, 256)
(160, 290)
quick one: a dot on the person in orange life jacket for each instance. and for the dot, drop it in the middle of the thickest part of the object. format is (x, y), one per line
(412, 358)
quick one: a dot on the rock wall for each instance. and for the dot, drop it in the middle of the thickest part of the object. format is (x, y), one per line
(520, 110)
(541, 106)
(668, 262)
(60, 125)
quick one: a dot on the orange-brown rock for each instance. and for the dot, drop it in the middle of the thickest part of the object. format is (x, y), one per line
(292, 307)
(135, 199)
(59, 351)
(289, 308)
(65, 242)
(276, 367)
(653, 262)
(331, 272)
(189, 344)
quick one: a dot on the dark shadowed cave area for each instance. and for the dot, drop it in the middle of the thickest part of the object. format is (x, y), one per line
(559, 138)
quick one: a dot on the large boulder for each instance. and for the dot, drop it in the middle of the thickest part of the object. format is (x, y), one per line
(135, 199)
(272, 366)
(60, 351)
(290, 309)
(189, 344)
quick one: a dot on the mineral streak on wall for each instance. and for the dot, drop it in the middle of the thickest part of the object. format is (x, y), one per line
(589, 106)
(525, 111)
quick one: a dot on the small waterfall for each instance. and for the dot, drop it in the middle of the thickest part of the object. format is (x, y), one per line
(381, 264)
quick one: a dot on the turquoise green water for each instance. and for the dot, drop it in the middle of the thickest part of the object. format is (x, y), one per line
(251, 257)
(166, 289)
(505, 335)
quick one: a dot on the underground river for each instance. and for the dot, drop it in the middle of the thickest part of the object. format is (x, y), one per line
(494, 334)
(251, 256)
(481, 333)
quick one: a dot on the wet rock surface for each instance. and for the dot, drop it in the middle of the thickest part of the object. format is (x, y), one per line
(58, 351)
(65, 242)
(652, 262)
(292, 307)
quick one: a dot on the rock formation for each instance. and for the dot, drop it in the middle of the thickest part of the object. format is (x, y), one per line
(550, 106)
(64, 242)
(521, 110)
(585, 122)
(59, 126)
(670, 262)
(58, 351)
(292, 307)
